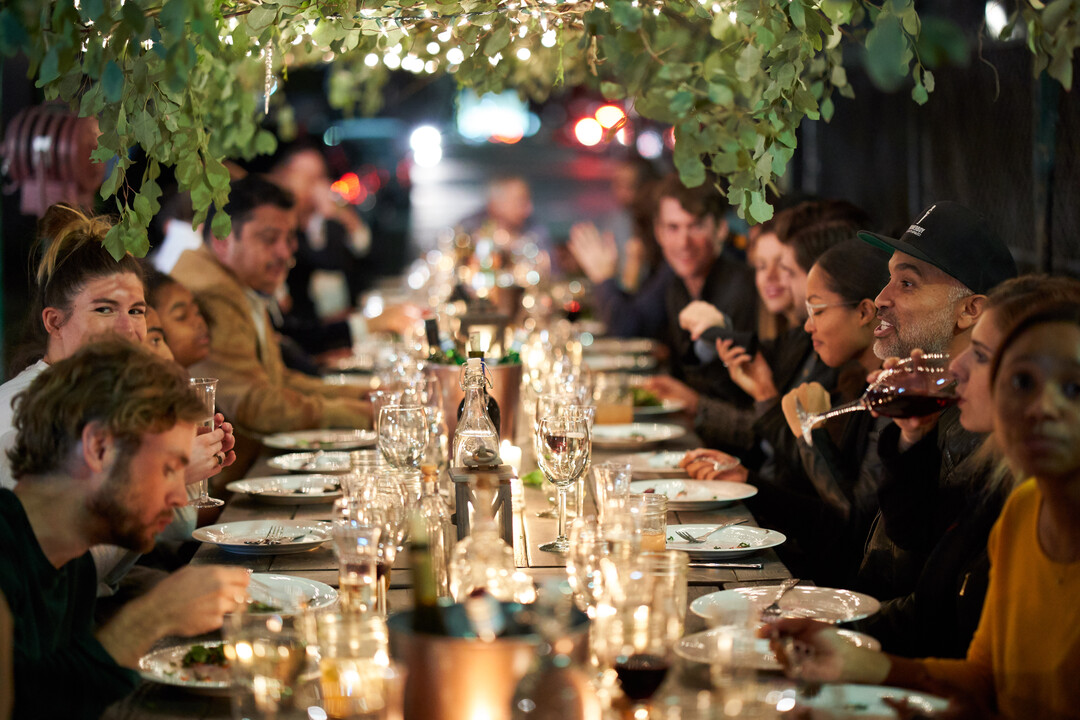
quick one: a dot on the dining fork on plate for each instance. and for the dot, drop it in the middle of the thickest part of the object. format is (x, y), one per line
(701, 538)
(273, 536)
(772, 612)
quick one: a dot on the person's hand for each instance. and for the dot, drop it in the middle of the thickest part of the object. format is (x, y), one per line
(699, 316)
(596, 254)
(814, 651)
(633, 264)
(707, 464)
(194, 599)
(813, 398)
(752, 374)
(668, 388)
(914, 429)
(401, 319)
(206, 456)
(228, 441)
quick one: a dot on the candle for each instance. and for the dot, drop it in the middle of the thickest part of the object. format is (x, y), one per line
(511, 455)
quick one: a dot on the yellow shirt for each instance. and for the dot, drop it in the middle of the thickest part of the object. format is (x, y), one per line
(1026, 651)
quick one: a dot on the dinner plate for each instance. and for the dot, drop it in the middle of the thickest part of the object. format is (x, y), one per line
(666, 407)
(826, 604)
(290, 489)
(609, 363)
(651, 462)
(631, 435)
(748, 650)
(245, 538)
(619, 346)
(727, 544)
(695, 494)
(321, 440)
(324, 463)
(316, 595)
(866, 702)
(164, 666)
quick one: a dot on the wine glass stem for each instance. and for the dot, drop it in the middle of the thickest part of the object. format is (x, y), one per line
(204, 490)
(561, 491)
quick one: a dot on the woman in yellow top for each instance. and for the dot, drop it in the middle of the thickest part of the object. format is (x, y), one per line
(1024, 660)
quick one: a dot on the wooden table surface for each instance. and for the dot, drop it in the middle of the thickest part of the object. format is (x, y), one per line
(688, 695)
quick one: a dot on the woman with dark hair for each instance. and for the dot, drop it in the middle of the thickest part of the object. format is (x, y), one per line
(182, 321)
(1024, 656)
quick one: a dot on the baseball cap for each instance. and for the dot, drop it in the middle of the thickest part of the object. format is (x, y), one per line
(956, 240)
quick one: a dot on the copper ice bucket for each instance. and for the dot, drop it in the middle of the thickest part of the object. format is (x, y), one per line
(506, 389)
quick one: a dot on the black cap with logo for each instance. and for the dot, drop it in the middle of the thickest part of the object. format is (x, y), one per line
(956, 240)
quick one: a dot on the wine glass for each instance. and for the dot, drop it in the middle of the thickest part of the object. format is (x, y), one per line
(206, 389)
(380, 502)
(565, 449)
(403, 433)
(547, 405)
(914, 387)
(588, 547)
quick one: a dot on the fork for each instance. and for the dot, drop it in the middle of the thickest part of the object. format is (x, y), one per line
(701, 538)
(772, 612)
(273, 536)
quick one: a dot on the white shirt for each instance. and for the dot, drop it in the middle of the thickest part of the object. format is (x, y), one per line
(8, 391)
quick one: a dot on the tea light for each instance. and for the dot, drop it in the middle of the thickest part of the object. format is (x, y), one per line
(511, 455)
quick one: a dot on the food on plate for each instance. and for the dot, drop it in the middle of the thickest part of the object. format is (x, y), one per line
(260, 607)
(645, 398)
(202, 663)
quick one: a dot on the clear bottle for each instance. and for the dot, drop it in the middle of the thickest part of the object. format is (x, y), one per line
(483, 563)
(476, 439)
(435, 516)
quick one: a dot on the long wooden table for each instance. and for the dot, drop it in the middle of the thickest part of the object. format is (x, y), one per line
(688, 694)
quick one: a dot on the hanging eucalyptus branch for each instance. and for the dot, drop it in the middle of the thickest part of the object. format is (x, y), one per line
(188, 80)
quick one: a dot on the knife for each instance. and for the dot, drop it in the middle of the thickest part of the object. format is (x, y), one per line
(729, 566)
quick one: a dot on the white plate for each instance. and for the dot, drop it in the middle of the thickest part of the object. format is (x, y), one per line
(321, 440)
(631, 435)
(651, 462)
(750, 651)
(324, 463)
(609, 363)
(867, 702)
(232, 536)
(164, 666)
(696, 494)
(619, 346)
(317, 595)
(724, 544)
(826, 604)
(666, 407)
(290, 489)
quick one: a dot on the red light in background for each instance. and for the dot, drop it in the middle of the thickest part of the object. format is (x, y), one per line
(669, 138)
(610, 115)
(350, 188)
(588, 132)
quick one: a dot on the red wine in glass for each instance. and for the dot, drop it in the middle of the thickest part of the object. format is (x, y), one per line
(888, 402)
(641, 675)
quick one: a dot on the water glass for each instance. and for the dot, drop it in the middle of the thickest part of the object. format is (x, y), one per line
(267, 654)
(612, 481)
(654, 523)
(356, 676)
(206, 390)
(614, 399)
(403, 434)
(357, 548)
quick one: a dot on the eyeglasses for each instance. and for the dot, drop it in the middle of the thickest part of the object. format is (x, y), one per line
(811, 307)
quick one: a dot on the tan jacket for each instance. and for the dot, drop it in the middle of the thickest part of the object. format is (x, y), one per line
(255, 390)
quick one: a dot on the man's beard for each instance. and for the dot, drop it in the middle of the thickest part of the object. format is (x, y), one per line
(930, 334)
(114, 506)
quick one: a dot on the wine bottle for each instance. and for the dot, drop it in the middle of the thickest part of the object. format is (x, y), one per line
(427, 615)
(435, 351)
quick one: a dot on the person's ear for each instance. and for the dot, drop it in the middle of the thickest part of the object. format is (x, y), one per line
(971, 308)
(867, 312)
(98, 446)
(53, 319)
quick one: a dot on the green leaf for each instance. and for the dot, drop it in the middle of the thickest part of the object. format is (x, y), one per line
(50, 67)
(838, 76)
(682, 102)
(919, 94)
(691, 169)
(1056, 13)
(928, 80)
(497, 40)
(265, 143)
(885, 48)
(759, 209)
(721, 95)
(113, 242)
(749, 63)
(827, 109)
(262, 16)
(839, 11)
(626, 15)
(112, 81)
(13, 35)
(798, 14)
(221, 225)
(133, 17)
(612, 91)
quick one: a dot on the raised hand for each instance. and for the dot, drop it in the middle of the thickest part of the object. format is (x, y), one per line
(594, 252)
(699, 316)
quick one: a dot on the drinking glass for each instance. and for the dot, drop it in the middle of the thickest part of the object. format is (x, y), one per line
(206, 389)
(914, 387)
(612, 481)
(403, 433)
(642, 612)
(564, 452)
(588, 547)
(356, 546)
(381, 503)
(654, 523)
(356, 676)
(549, 404)
(266, 654)
(614, 399)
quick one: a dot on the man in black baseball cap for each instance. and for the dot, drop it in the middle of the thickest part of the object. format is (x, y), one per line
(940, 272)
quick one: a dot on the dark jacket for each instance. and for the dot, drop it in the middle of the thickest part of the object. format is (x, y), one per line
(640, 314)
(729, 286)
(922, 493)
